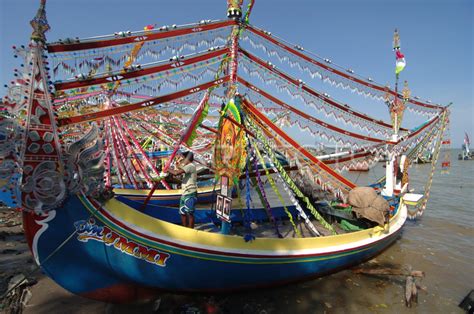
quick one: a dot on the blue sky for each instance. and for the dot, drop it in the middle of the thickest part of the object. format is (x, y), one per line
(437, 37)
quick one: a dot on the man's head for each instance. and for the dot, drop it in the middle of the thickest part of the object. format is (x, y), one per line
(188, 157)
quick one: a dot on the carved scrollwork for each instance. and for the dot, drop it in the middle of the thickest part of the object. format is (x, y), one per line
(84, 167)
(45, 188)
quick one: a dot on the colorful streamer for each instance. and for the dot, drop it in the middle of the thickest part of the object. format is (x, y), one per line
(287, 179)
(275, 189)
(265, 199)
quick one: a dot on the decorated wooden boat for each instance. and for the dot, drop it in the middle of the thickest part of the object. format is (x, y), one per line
(111, 258)
(68, 139)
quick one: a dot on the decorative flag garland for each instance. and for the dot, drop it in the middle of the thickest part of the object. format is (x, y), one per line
(286, 178)
(268, 208)
(275, 189)
(346, 116)
(421, 207)
(67, 64)
(324, 71)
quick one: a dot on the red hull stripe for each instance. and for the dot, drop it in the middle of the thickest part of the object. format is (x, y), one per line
(312, 119)
(94, 44)
(133, 74)
(140, 105)
(333, 70)
(314, 93)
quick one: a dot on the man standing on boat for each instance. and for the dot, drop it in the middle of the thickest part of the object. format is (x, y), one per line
(188, 199)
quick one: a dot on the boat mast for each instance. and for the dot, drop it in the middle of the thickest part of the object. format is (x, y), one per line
(397, 108)
(234, 12)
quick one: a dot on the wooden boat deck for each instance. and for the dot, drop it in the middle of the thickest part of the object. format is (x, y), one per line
(267, 230)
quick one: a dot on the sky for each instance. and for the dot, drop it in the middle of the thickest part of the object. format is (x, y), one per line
(436, 38)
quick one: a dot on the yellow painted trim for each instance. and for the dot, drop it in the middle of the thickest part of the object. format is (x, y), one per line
(157, 192)
(181, 234)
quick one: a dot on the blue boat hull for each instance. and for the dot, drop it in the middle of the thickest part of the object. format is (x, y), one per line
(105, 257)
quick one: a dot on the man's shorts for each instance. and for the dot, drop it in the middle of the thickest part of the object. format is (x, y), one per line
(187, 204)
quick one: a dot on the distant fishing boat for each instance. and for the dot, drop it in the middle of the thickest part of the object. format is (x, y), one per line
(466, 154)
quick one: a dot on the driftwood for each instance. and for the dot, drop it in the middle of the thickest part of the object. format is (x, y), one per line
(411, 293)
(18, 294)
(411, 287)
(388, 272)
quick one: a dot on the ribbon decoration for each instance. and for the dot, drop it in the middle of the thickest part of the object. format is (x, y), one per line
(131, 58)
(275, 189)
(142, 104)
(265, 199)
(148, 72)
(248, 217)
(417, 135)
(315, 126)
(424, 145)
(129, 153)
(190, 133)
(446, 144)
(417, 145)
(249, 11)
(294, 201)
(129, 38)
(340, 185)
(322, 68)
(354, 161)
(287, 178)
(153, 84)
(80, 64)
(187, 135)
(318, 101)
(421, 207)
